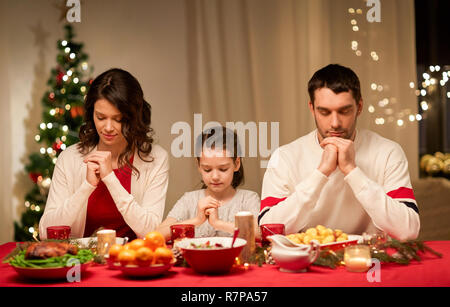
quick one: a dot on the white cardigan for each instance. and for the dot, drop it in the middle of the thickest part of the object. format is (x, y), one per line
(69, 193)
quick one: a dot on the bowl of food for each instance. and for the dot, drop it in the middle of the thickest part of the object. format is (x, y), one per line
(333, 239)
(210, 255)
(49, 260)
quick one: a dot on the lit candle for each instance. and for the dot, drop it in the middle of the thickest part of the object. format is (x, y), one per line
(244, 220)
(358, 264)
(105, 238)
(357, 258)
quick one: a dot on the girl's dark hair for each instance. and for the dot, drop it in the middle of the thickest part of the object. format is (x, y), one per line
(338, 79)
(222, 137)
(122, 90)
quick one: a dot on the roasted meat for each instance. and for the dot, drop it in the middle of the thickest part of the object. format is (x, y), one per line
(44, 250)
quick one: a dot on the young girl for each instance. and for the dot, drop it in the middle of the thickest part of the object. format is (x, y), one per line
(115, 177)
(212, 209)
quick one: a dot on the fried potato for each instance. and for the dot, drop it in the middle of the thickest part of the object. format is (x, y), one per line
(312, 232)
(337, 233)
(320, 233)
(343, 237)
(328, 239)
(307, 239)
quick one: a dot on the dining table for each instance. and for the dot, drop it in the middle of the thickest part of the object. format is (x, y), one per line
(430, 271)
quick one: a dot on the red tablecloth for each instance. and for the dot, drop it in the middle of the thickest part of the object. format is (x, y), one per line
(431, 271)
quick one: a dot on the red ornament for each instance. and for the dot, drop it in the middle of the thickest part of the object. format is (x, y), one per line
(76, 111)
(34, 176)
(59, 77)
(57, 146)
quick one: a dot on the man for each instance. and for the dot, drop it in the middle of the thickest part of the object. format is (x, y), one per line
(339, 176)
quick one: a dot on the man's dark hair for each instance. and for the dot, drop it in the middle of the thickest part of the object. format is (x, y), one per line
(338, 79)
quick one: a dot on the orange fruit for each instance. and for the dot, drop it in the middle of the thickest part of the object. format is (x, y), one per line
(114, 251)
(163, 255)
(154, 239)
(137, 244)
(127, 246)
(127, 256)
(144, 256)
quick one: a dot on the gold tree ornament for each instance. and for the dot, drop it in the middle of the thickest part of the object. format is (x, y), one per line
(440, 155)
(434, 166)
(424, 161)
(446, 167)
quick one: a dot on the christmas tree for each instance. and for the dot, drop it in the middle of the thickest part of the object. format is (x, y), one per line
(62, 117)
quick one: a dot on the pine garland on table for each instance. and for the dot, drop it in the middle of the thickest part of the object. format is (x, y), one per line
(405, 252)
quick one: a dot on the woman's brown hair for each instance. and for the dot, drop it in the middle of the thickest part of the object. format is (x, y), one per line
(122, 90)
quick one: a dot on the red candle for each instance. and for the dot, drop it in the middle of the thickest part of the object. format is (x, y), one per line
(271, 229)
(58, 232)
(179, 231)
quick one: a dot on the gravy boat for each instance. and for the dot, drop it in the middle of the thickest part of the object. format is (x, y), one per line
(292, 257)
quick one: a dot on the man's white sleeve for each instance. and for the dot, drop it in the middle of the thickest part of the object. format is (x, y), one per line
(391, 206)
(284, 201)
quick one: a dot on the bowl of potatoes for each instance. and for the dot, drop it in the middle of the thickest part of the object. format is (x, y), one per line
(332, 239)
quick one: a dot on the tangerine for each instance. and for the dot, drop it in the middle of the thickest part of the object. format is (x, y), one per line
(163, 255)
(114, 251)
(127, 256)
(137, 244)
(154, 239)
(127, 246)
(144, 256)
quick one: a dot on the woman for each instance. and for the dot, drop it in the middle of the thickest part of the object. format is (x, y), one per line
(115, 177)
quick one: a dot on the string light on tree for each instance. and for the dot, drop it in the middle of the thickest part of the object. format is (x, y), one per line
(432, 79)
(62, 116)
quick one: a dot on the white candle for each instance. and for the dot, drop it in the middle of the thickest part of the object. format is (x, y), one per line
(105, 238)
(244, 220)
(358, 264)
(357, 258)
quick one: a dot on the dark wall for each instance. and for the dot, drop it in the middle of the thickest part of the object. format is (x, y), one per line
(433, 48)
(433, 31)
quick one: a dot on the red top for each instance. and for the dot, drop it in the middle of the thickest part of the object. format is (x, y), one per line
(102, 210)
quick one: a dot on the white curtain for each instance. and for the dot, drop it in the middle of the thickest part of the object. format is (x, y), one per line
(250, 60)
(6, 217)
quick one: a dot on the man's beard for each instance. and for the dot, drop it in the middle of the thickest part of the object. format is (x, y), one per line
(345, 133)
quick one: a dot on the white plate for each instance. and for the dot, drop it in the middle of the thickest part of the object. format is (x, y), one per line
(352, 239)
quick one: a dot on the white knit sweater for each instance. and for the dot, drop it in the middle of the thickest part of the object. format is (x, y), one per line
(69, 193)
(377, 194)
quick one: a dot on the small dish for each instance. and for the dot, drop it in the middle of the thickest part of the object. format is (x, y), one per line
(49, 273)
(144, 271)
